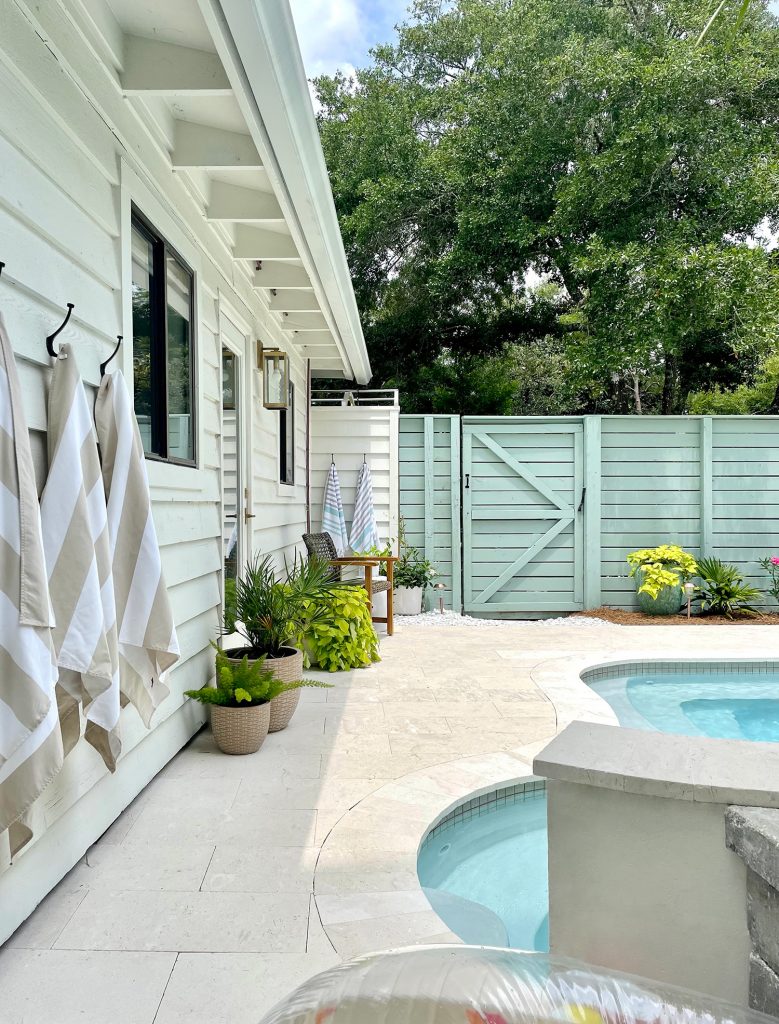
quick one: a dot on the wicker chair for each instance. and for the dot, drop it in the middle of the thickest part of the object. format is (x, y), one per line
(321, 546)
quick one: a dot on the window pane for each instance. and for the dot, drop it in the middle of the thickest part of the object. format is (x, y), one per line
(142, 284)
(179, 300)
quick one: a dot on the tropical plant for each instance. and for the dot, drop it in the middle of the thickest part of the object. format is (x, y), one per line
(244, 684)
(723, 591)
(338, 633)
(771, 566)
(271, 612)
(667, 565)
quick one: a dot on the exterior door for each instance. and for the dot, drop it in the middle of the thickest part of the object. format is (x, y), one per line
(523, 503)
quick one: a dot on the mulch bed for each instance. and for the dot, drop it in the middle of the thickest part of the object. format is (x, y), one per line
(623, 618)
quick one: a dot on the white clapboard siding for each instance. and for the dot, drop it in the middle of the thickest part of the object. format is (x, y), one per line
(63, 146)
(349, 433)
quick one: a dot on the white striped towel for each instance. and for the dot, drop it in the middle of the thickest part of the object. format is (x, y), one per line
(147, 635)
(333, 521)
(30, 741)
(78, 560)
(364, 533)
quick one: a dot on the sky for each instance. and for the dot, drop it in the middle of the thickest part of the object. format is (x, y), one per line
(337, 34)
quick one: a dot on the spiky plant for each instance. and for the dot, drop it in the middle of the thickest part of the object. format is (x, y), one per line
(723, 591)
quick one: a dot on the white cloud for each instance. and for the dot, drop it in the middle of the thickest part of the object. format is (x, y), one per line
(337, 34)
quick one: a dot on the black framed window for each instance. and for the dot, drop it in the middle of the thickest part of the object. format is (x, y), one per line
(163, 295)
(287, 440)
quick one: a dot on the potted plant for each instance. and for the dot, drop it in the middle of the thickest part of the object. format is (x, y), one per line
(343, 638)
(241, 701)
(413, 573)
(271, 614)
(659, 573)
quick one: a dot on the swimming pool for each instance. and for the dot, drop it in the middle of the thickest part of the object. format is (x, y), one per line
(492, 852)
(730, 700)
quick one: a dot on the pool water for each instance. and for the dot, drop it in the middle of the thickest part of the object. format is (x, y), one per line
(736, 704)
(498, 860)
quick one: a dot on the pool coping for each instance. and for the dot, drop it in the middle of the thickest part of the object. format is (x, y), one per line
(383, 905)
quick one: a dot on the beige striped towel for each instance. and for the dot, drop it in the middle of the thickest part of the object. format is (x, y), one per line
(30, 741)
(78, 560)
(147, 635)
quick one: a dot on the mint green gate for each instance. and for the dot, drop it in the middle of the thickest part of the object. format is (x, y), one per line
(523, 513)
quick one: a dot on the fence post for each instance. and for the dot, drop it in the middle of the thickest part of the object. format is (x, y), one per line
(456, 527)
(707, 488)
(592, 512)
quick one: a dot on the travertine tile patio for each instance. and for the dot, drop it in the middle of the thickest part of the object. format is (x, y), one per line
(230, 880)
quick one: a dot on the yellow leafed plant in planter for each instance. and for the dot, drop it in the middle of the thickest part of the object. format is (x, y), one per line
(340, 635)
(659, 573)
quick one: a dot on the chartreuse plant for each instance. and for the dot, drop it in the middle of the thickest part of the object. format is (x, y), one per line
(244, 684)
(667, 565)
(723, 590)
(340, 634)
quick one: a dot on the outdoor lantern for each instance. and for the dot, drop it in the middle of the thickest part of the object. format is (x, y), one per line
(689, 589)
(440, 587)
(275, 378)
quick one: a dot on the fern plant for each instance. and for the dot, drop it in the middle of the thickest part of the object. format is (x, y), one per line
(723, 591)
(244, 684)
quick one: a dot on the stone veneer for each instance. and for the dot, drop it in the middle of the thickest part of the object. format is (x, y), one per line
(753, 833)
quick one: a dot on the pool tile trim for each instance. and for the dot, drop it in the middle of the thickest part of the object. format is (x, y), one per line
(661, 666)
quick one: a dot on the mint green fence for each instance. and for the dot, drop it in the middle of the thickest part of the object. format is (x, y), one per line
(551, 506)
(430, 495)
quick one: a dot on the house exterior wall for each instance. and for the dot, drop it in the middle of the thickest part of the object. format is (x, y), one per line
(69, 168)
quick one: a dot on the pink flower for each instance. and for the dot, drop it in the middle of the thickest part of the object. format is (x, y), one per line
(775, 560)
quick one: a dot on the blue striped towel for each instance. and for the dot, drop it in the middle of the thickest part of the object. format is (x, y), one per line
(364, 533)
(333, 521)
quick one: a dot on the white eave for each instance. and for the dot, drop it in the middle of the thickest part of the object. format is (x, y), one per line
(220, 87)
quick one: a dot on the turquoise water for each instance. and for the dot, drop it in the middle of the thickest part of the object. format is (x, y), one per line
(497, 860)
(735, 705)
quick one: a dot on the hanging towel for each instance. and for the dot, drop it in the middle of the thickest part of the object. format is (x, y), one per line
(364, 532)
(78, 560)
(147, 636)
(30, 741)
(333, 521)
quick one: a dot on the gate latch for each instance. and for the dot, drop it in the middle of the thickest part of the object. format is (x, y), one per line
(467, 481)
(581, 503)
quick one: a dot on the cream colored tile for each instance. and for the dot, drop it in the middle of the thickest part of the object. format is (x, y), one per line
(261, 827)
(219, 922)
(235, 988)
(271, 869)
(42, 929)
(74, 987)
(174, 867)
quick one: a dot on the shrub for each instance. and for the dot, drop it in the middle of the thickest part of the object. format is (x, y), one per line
(244, 684)
(413, 570)
(771, 566)
(340, 634)
(667, 565)
(722, 590)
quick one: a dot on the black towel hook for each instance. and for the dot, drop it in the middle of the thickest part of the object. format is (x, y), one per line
(50, 338)
(1, 268)
(105, 364)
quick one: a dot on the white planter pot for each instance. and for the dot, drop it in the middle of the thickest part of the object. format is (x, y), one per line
(408, 600)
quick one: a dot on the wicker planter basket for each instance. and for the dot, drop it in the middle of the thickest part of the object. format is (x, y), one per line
(240, 730)
(289, 669)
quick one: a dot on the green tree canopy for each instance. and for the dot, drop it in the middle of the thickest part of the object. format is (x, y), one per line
(594, 145)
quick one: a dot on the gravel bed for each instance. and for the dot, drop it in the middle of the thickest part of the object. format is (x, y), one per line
(450, 618)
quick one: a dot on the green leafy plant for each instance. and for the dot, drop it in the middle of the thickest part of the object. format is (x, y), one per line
(271, 612)
(338, 633)
(229, 616)
(667, 565)
(771, 566)
(412, 569)
(244, 684)
(723, 591)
